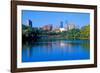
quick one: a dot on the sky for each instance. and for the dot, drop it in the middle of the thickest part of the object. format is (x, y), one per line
(41, 18)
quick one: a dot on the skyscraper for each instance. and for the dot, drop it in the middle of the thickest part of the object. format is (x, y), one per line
(29, 23)
(61, 24)
(62, 27)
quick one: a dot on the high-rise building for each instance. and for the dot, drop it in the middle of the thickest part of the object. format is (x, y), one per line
(61, 27)
(70, 26)
(29, 23)
(61, 24)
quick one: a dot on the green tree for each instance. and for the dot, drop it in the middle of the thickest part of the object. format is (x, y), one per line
(73, 34)
(85, 32)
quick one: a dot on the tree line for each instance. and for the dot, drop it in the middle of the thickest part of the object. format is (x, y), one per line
(35, 34)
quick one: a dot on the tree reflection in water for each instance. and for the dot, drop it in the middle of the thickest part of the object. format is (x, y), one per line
(55, 50)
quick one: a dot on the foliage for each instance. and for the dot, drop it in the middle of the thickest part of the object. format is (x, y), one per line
(85, 32)
(38, 33)
(73, 34)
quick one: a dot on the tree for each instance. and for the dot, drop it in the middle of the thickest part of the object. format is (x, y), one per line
(85, 32)
(73, 34)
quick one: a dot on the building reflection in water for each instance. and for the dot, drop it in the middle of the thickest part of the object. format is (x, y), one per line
(45, 49)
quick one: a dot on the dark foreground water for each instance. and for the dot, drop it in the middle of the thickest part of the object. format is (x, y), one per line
(56, 50)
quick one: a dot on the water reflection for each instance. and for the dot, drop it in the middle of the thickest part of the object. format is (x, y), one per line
(55, 50)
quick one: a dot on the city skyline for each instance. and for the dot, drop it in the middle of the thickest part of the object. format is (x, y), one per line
(41, 18)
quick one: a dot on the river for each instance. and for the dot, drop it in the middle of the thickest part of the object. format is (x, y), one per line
(59, 50)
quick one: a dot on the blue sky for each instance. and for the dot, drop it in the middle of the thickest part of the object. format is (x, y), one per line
(41, 18)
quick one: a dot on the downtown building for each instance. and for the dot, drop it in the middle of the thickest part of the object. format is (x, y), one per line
(47, 27)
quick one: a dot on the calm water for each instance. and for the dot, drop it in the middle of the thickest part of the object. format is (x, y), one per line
(56, 50)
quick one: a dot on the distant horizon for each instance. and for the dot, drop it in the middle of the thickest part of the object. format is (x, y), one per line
(41, 18)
